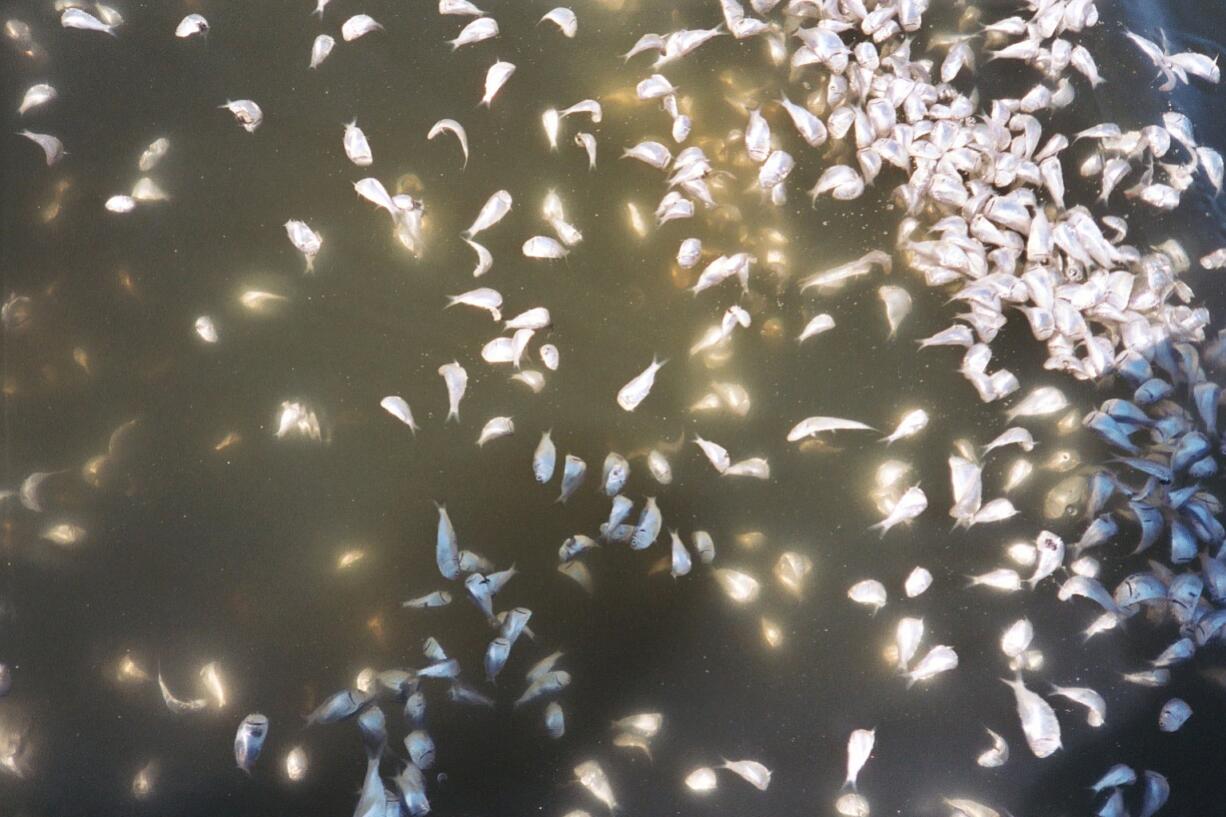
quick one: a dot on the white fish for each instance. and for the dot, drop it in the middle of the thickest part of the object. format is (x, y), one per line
(716, 454)
(147, 190)
(246, 112)
(1039, 723)
(1012, 436)
(689, 253)
(493, 211)
(941, 658)
(633, 393)
(869, 592)
(295, 764)
(756, 467)
(852, 804)
(740, 587)
(918, 580)
(398, 407)
(1050, 553)
(701, 780)
(485, 259)
(495, 78)
(374, 192)
(564, 19)
(591, 107)
(593, 778)
(356, 146)
(1095, 704)
(544, 247)
(305, 240)
(650, 153)
(206, 329)
(191, 25)
(907, 638)
(483, 28)
(818, 324)
(451, 126)
(494, 428)
(81, 19)
(484, 298)
(681, 561)
(359, 25)
(120, 204)
(1000, 579)
(53, 148)
(460, 7)
(997, 755)
(549, 356)
(456, 378)
(258, 300)
(654, 87)
(588, 143)
(1041, 402)
(544, 459)
(912, 423)
(1017, 638)
(320, 49)
(897, 306)
(859, 747)
(812, 426)
(751, 771)
(1174, 714)
(36, 96)
(911, 504)
(153, 154)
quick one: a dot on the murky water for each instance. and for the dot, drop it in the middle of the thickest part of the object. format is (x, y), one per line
(195, 554)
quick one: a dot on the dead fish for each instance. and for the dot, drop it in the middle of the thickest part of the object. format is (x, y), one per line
(305, 240)
(246, 112)
(456, 379)
(859, 747)
(483, 28)
(396, 406)
(592, 777)
(359, 25)
(812, 426)
(83, 20)
(751, 771)
(53, 148)
(451, 126)
(357, 148)
(494, 428)
(633, 393)
(36, 96)
(1095, 704)
(573, 471)
(544, 247)
(493, 211)
(912, 423)
(939, 659)
(495, 78)
(564, 19)
(995, 756)
(897, 306)
(869, 592)
(918, 580)
(177, 705)
(1039, 723)
(911, 504)
(320, 49)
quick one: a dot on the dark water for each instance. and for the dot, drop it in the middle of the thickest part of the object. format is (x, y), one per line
(194, 555)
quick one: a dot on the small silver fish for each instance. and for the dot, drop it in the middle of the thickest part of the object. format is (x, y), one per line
(456, 379)
(495, 78)
(454, 127)
(573, 471)
(633, 393)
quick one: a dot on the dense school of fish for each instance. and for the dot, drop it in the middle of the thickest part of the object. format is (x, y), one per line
(987, 219)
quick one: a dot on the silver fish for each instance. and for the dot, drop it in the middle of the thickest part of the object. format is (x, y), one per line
(456, 378)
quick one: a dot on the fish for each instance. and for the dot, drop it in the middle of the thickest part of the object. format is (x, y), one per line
(544, 247)
(339, 706)
(635, 392)
(456, 379)
(897, 303)
(494, 428)
(701, 780)
(751, 771)
(321, 48)
(939, 659)
(357, 148)
(912, 423)
(918, 580)
(1039, 723)
(493, 211)
(437, 598)
(398, 407)
(740, 587)
(544, 459)
(859, 747)
(191, 25)
(451, 126)
(648, 527)
(296, 764)
(1017, 638)
(246, 112)
(911, 504)
(81, 19)
(564, 19)
(249, 741)
(869, 592)
(1174, 714)
(359, 25)
(52, 147)
(614, 473)
(483, 28)
(1041, 402)
(995, 756)
(495, 78)
(812, 426)
(36, 96)
(305, 240)
(592, 777)
(573, 471)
